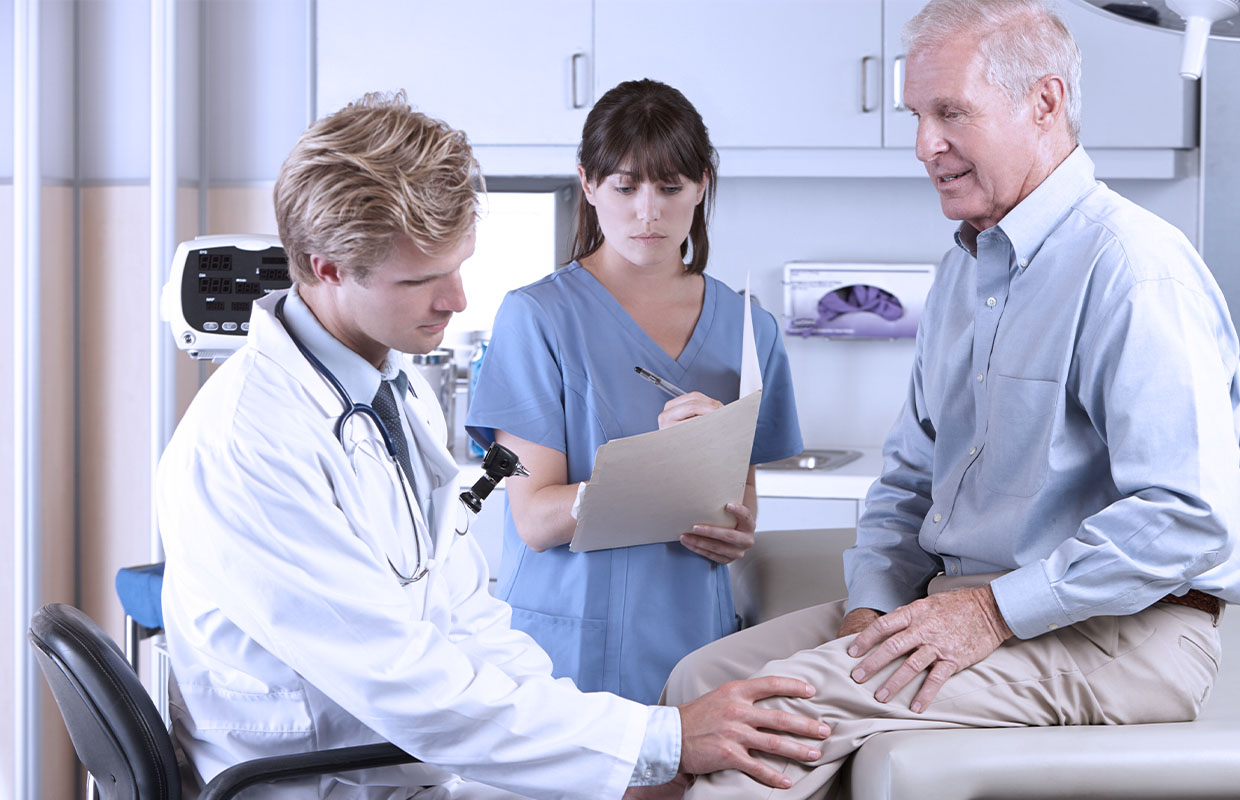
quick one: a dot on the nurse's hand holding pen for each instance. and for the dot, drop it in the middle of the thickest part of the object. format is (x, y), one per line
(721, 545)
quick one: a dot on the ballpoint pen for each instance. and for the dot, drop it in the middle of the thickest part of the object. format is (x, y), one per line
(667, 386)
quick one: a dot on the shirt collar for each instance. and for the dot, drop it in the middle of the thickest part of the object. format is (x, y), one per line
(358, 376)
(1033, 220)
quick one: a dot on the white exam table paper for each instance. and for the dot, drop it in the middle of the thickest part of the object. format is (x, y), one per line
(654, 486)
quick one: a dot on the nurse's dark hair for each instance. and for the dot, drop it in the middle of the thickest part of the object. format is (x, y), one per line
(648, 128)
(370, 172)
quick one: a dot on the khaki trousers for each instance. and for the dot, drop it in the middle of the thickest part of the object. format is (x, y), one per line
(1155, 666)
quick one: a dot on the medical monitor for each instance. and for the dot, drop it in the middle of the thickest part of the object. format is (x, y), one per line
(213, 282)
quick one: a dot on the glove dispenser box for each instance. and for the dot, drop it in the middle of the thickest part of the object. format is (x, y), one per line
(855, 301)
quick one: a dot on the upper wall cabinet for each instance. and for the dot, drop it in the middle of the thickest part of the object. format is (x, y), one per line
(778, 73)
(507, 73)
(787, 87)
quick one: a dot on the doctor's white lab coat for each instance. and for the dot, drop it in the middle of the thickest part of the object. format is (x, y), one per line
(288, 630)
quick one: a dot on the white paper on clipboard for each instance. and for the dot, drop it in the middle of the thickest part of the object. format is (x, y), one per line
(655, 486)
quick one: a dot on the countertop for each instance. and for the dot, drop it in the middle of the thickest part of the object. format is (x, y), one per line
(849, 482)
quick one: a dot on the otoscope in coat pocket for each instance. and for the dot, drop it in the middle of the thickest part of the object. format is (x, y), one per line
(497, 464)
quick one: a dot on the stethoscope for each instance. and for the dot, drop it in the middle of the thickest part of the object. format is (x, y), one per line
(352, 409)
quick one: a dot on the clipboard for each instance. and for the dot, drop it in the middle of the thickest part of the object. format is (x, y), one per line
(655, 486)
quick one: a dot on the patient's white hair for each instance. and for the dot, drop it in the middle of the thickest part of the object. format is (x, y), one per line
(1022, 41)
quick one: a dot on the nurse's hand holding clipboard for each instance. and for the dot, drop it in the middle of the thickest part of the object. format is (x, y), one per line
(721, 545)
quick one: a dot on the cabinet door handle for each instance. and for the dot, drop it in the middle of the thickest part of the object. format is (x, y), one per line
(578, 65)
(866, 64)
(897, 84)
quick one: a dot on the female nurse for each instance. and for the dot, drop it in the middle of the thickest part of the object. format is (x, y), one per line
(558, 381)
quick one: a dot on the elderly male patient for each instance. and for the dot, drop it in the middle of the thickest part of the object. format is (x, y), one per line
(1066, 461)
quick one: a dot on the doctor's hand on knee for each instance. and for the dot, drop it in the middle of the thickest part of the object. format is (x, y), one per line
(720, 728)
(943, 633)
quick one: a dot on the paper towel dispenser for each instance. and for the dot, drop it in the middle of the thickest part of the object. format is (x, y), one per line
(855, 301)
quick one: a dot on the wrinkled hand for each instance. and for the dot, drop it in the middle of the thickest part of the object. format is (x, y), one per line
(724, 545)
(944, 633)
(686, 406)
(720, 728)
(856, 621)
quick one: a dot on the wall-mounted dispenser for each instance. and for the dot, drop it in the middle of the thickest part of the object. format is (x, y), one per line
(855, 301)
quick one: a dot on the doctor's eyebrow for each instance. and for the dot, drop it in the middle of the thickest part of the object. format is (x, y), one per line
(427, 278)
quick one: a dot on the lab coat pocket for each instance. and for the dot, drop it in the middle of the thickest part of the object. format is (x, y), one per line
(575, 645)
(1018, 435)
(272, 711)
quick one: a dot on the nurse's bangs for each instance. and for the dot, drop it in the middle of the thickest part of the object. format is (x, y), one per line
(654, 153)
(650, 131)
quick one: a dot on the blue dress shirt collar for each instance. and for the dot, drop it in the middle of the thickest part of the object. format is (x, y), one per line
(1028, 225)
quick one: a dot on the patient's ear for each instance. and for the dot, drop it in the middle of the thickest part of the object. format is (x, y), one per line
(1049, 97)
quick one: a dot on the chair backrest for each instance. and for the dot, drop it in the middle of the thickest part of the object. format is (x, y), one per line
(115, 729)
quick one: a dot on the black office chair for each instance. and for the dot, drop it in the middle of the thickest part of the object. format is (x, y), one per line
(119, 736)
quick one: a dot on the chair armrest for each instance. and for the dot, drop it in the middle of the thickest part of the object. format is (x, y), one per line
(232, 781)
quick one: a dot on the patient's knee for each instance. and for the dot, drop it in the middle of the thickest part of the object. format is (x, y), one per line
(695, 675)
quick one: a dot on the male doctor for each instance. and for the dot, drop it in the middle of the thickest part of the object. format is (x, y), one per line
(317, 593)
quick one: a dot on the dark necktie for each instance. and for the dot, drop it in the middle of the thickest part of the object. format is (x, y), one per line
(384, 405)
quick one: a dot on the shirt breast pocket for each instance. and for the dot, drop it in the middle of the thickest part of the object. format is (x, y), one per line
(1018, 435)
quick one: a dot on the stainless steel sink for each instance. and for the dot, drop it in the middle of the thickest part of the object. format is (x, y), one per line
(815, 459)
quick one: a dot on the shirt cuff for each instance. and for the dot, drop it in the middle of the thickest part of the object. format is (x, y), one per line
(1027, 602)
(659, 759)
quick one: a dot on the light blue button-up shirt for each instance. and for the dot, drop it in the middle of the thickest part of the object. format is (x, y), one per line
(1072, 417)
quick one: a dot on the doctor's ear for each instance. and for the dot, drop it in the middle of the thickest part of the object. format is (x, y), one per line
(587, 190)
(326, 271)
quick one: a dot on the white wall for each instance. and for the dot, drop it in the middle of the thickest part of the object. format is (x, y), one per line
(1221, 189)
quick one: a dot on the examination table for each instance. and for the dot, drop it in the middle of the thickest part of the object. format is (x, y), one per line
(788, 570)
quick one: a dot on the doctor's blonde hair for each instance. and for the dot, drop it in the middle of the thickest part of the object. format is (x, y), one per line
(374, 170)
(1020, 41)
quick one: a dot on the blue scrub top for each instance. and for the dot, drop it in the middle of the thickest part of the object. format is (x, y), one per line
(559, 373)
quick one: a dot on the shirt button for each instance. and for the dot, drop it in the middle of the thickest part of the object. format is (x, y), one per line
(1024, 262)
(990, 301)
(1051, 627)
(649, 772)
(972, 450)
(955, 569)
(980, 377)
(938, 517)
